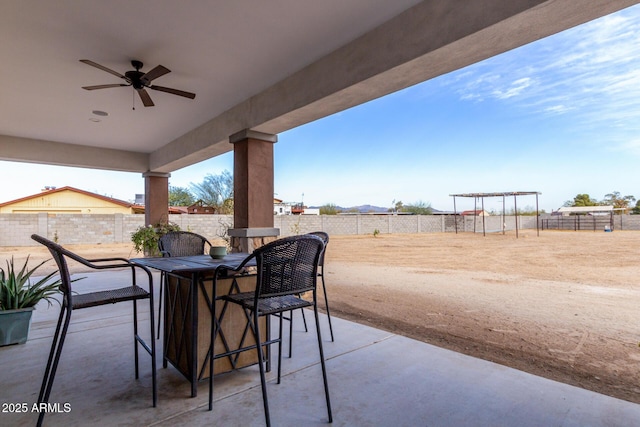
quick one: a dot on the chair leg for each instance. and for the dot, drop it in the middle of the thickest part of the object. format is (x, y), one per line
(304, 320)
(290, 332)
(280, 347)
(137, 339)
(135, 335)
(151, 350)
(162, 278)
(322, 363)
(154, 379)
(54, 358)
(268, 355)
(255, 329)
(326, 303)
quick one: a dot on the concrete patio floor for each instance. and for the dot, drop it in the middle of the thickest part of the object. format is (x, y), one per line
(375, 378)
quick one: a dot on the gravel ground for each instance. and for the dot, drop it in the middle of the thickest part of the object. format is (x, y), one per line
(561, 305)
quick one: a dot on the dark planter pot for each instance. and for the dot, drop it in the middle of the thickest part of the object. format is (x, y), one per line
(14, 326)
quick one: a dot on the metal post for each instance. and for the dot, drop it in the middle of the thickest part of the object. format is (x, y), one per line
(537, 217)
(475, 211)
(515, 206)
(455, 214)
(504, 225)
(483, 226)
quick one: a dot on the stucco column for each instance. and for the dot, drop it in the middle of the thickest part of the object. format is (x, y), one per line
(253, 189)
(156, 197)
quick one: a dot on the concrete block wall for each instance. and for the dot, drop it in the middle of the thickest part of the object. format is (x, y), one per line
(368, 224)
(290, 225)
(76, 229)
(16, 229)
(342, 224)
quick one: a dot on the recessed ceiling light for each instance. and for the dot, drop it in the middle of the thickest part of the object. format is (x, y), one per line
(100, 113)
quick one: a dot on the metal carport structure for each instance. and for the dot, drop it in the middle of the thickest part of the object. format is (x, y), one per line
(481, 196)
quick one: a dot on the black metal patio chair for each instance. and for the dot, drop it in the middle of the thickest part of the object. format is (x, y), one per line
(325, 238)
(285, 269)
(178, 243)
(74, 301)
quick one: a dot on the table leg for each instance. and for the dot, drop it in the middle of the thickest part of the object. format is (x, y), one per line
(194, 338)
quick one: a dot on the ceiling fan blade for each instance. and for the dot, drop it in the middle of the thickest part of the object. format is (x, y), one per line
(103, 86)
(159, 71)
(146, 99)
(173, 91)
(102, 67)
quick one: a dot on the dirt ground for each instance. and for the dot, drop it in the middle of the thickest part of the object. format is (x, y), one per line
(561, 305)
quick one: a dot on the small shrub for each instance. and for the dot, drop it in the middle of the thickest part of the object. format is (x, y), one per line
(145, 239)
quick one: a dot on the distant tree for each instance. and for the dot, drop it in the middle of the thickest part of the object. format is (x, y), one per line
(581, 200)
(636, 210)
(216, 191)
(614, 199)
(180, 196)
(329, 209)
(418, 208)
(397, 206)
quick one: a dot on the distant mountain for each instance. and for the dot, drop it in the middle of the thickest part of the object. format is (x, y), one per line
(366, 209)
(361, 208)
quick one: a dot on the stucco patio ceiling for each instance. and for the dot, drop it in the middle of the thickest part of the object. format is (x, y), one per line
(263, 65)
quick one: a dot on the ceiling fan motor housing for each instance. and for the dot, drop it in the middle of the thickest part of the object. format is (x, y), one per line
(134, 77)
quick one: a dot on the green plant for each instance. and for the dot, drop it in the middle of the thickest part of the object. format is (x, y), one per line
(145, 239)
(16, 290)
(376, 232)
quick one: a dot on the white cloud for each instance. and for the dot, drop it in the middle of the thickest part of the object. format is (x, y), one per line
(516, 88)
(558, 109)
(590, 72)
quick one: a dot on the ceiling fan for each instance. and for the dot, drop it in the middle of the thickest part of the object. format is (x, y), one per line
(139, 80)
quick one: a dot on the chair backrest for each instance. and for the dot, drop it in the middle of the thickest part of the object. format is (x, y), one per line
(325, 239)
(182, 243)
(59, 255)
(288, 265)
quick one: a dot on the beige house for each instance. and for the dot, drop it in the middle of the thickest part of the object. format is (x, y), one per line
(69, 200)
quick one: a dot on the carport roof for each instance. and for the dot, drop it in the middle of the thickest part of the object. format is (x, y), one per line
(502, 194)
(585, 209)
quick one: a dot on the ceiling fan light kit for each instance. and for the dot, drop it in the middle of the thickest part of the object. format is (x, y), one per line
(139, 80)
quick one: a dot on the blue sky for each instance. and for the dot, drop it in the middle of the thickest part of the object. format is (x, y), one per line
(560, 116)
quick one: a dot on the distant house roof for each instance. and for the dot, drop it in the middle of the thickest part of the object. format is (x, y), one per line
(54, 190)
(199, 207)
(135, 208)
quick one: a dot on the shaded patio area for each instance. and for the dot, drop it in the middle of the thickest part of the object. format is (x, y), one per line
(375, 378)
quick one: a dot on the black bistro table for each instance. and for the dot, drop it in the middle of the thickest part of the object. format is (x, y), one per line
(192, 288)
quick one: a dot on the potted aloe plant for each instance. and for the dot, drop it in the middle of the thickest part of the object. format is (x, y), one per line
(18, 296)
